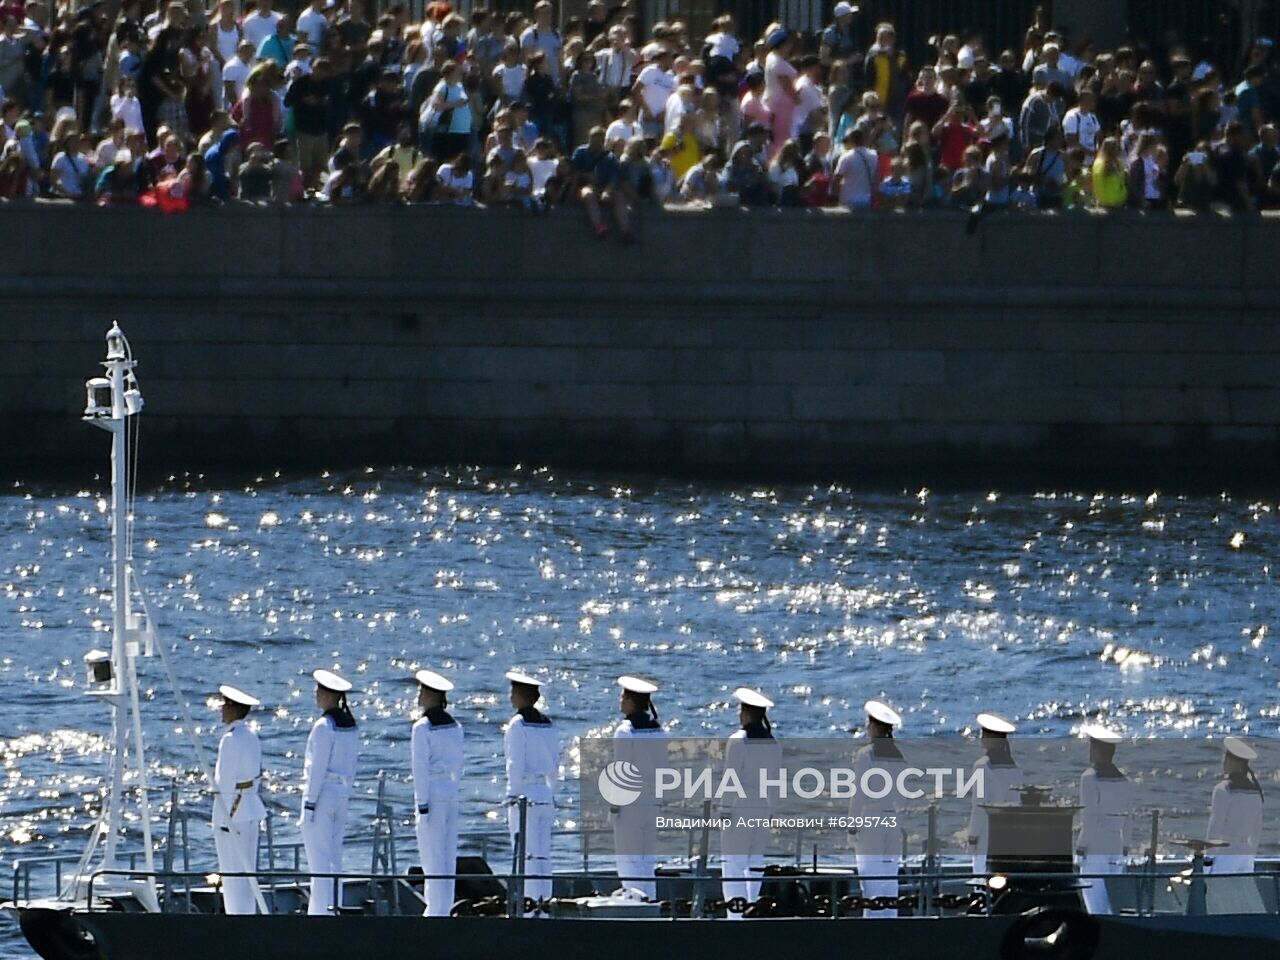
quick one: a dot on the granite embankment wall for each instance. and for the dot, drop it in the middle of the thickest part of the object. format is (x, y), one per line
(762, 344)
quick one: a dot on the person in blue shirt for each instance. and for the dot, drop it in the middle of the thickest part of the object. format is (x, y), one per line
(278, 46)
(217, 164)
(586, 157)
(130, 63)
(595, 170)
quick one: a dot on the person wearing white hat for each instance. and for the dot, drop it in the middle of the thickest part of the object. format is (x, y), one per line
(838, 40)
(1106, 804)
(753, 755)
(639, 740)
(436, 752)
(1000, 781)
(328, 774)
(876, 846)
(238, 812)
(1235, 812)
(532, 750)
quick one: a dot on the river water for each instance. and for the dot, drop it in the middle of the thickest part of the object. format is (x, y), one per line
(1154, 610)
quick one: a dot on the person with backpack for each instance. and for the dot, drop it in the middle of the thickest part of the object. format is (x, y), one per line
(1046, 167)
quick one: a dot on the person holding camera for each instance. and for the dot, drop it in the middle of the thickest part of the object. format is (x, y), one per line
(955, 133)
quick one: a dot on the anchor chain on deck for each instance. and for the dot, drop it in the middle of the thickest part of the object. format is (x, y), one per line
(819, 906)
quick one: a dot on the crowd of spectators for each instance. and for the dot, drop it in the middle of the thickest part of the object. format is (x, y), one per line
(176, 105)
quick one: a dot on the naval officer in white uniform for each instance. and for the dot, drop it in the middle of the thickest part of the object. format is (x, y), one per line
(1235, 813)
(1106, 802)
(437, 758)
(328, 773)
(753, 754)
(639, 740)
(238, 813)
(1001, 779)
(877, 846)
(532, 751)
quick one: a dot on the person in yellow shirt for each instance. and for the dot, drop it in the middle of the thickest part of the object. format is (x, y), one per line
(886, 71)
(1110, 182)
(683, 151)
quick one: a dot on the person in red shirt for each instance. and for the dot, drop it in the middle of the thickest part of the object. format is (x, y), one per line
(955, 133)
(924, 103)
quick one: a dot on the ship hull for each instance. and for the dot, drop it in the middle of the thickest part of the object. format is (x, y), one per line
(133, 936)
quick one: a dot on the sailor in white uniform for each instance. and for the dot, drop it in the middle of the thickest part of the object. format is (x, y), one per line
(1106, 802)
(754, 755)
(1001, 779)
(877, 846)
(437, 757)
(238, 811)
(532, 752)
(328, 773)
(1235, 813)
(639, 740)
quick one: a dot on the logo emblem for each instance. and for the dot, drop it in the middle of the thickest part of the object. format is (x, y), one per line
(620, 783)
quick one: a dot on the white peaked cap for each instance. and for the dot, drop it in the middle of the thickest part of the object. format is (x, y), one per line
(1096, 731)
(752, 698)
(236, 695)
(1238, 748)
(519, 676)
(433, 681)
(331, 681)
(637, 685)
(96, 656)
(879, 710)
(995, 723)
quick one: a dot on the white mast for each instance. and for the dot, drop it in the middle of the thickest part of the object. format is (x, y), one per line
(111, 401)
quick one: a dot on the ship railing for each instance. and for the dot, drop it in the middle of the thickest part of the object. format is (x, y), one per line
(922, 893)
(25, 868)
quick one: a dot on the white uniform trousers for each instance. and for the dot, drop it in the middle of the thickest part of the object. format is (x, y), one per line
(635, 845)
(437, 833)
(539, 818)
(238, 853)
(742, 856)
(322, 834)
(877, 854)
(882, 866)
(1096, 898)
